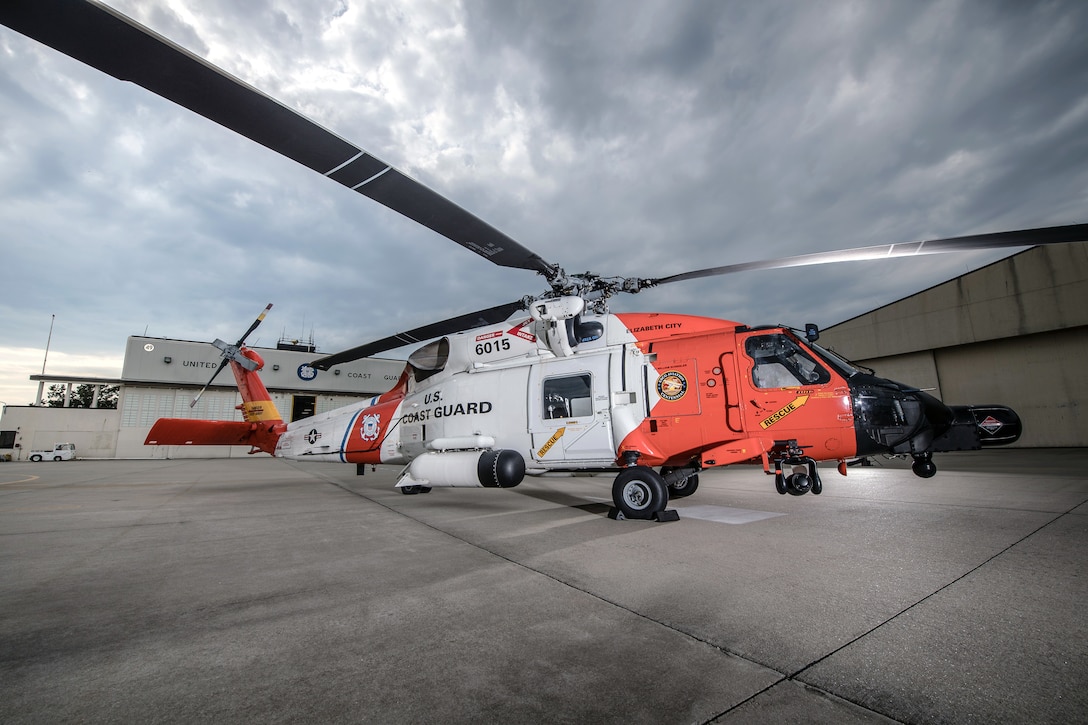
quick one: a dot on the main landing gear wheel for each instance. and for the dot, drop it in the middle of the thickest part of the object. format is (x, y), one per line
(413, 490)
(640, 492)
(685, 487)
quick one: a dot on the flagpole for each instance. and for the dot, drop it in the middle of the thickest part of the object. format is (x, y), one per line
(41, 383)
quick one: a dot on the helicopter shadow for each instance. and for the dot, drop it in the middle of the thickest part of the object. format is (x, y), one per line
(561, 498)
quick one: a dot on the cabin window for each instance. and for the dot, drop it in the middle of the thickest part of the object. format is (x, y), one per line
(570, 396)
(779, 362)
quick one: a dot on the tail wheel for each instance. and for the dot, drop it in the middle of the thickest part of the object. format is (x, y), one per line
(640, 492)
(923, 466)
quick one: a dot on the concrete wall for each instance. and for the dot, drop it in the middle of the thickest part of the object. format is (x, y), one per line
(1013, 333)
(93, 430)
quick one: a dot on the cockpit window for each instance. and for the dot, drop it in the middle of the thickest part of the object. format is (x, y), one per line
(779, 362)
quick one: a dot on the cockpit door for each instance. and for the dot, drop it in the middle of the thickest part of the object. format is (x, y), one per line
(789, 393)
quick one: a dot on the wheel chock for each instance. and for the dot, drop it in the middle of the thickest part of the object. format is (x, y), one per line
(661, 516)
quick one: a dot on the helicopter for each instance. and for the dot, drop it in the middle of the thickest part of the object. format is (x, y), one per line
(552, 383)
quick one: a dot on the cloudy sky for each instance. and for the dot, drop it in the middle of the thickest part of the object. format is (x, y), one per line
(625, 137)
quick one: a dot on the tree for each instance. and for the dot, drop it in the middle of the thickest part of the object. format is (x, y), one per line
(82, 395)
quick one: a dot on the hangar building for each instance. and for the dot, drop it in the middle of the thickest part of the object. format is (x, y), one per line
(159, 379)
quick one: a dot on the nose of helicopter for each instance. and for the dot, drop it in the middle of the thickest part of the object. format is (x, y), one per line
(890, 417)
(894, 418)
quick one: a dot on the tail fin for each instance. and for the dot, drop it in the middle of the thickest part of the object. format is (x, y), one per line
(257, 405)
(262, 426)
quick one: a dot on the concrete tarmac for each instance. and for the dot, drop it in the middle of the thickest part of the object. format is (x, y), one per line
(255, 590)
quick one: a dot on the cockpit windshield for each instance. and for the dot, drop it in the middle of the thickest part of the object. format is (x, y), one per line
(843, 366)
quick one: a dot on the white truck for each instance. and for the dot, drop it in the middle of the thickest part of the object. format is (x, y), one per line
(60, 452)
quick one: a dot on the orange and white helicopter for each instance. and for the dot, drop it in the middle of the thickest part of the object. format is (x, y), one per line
(551, 383)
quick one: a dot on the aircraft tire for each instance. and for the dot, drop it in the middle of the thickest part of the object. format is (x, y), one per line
(640, 492)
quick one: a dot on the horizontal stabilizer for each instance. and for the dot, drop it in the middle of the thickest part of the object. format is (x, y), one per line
(187, 432)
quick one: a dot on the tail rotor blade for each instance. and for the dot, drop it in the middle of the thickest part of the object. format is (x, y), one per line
(222, 364)
(252, 327)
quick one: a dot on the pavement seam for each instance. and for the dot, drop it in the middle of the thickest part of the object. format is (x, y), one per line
(788, 678)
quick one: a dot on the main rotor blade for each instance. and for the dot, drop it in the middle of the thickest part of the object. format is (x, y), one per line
(436, 329)
(1021, 238)
(115, 44)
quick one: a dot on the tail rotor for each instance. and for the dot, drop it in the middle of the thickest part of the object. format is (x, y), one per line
(232, 353)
